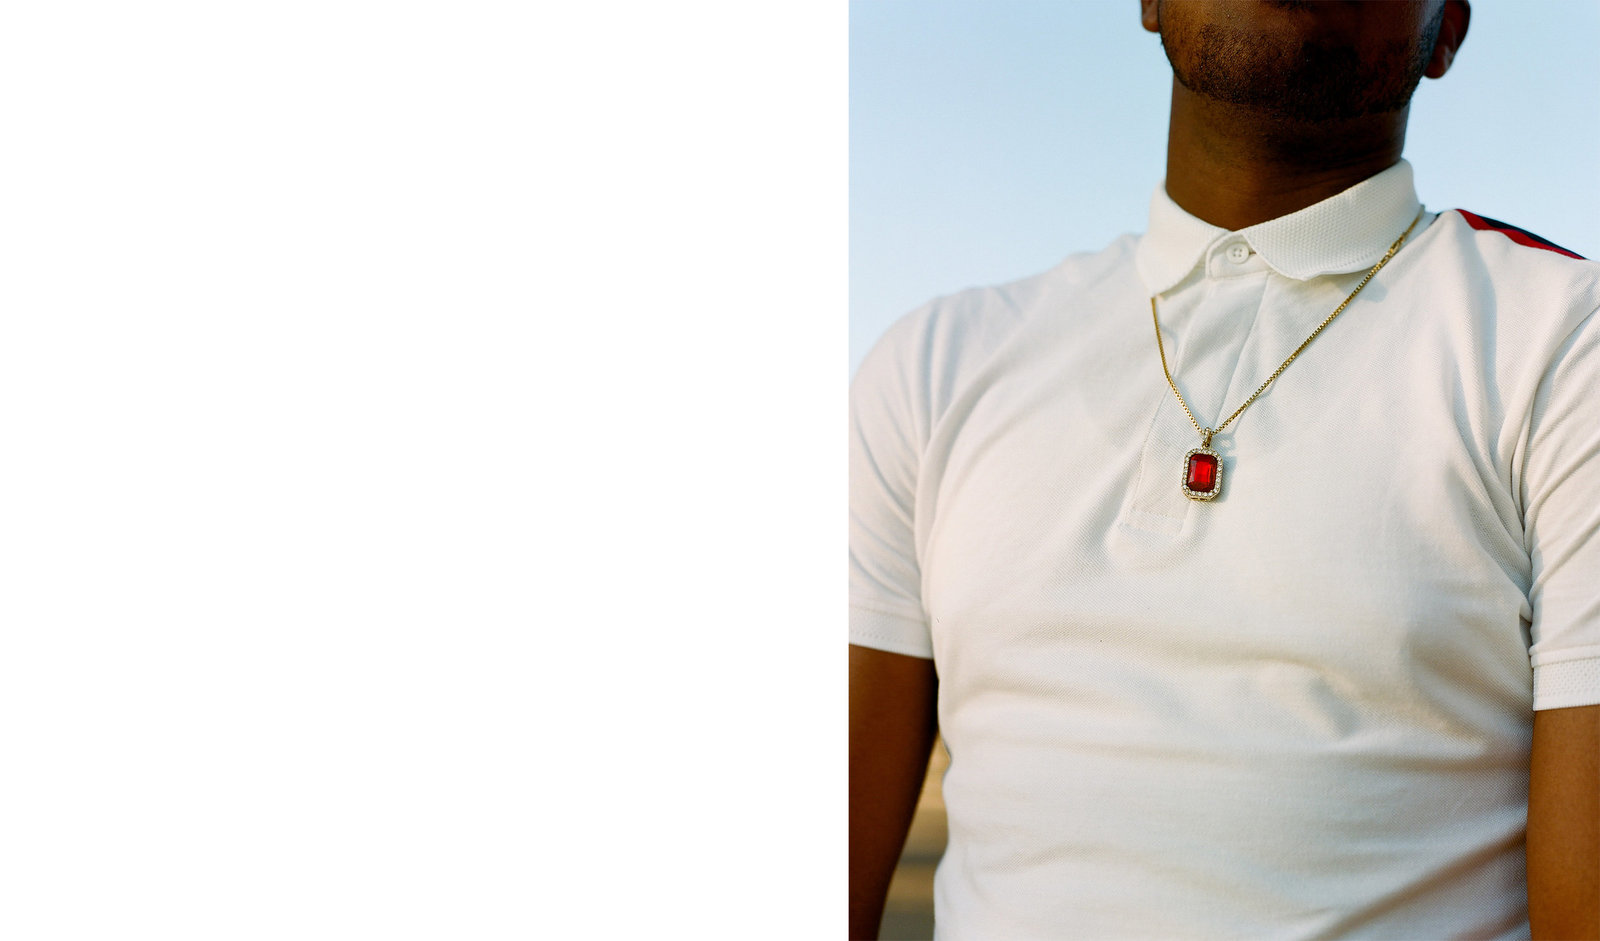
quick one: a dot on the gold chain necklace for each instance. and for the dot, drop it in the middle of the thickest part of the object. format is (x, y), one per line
(1202, 467)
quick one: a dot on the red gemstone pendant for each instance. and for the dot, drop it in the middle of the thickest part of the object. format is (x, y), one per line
(1202, 474)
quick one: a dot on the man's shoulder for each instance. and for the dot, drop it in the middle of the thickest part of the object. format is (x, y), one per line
(1505, 249)
(968, 325)
(1515, 235)
(1529, 284)
(1019, 297)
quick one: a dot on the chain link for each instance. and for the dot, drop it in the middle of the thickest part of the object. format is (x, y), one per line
(1208, 433)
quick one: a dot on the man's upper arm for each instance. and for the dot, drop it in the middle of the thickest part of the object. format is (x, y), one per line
(893, 682)
(1564, 824)
(1562, 518)
(892, 724)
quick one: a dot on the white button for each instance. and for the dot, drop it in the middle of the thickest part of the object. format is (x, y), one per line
(1238, 252)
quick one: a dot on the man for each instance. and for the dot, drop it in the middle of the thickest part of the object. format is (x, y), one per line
(1287, 625)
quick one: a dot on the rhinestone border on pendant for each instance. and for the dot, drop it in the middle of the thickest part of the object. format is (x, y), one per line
(1216, 483)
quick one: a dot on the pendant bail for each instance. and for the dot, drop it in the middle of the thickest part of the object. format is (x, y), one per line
(1205, 438)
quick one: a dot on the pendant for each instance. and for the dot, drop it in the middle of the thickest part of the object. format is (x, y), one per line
(1202, 473)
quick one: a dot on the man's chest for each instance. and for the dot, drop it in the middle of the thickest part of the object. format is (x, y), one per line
(1364, 529)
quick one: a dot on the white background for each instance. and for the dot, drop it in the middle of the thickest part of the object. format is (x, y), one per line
(422, 470)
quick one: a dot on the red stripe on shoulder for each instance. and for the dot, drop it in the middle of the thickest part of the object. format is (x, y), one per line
(1520, 236)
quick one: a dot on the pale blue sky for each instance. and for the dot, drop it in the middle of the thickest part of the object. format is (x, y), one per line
(990, 138)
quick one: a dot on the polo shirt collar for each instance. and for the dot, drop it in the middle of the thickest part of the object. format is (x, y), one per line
(1346, 232)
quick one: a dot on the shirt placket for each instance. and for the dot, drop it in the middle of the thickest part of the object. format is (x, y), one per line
(1206, 326)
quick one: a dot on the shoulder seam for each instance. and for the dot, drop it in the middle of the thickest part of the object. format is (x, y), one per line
(1515, 234)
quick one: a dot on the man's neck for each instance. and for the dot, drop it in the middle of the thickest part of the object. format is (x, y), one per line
(1229, 168)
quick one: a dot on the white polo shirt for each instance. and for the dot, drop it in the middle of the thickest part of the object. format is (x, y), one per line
(1303, 708)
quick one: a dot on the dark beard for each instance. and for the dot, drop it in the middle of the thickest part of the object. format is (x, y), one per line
(1312, 83)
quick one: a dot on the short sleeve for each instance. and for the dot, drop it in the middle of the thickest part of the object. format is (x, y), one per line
(1562, 523)
(888, 421)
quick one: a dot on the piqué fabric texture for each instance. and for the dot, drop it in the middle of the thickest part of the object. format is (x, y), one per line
(1302, 709)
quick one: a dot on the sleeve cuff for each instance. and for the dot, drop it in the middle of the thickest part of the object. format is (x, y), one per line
(889, 631)
(1567, 681)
